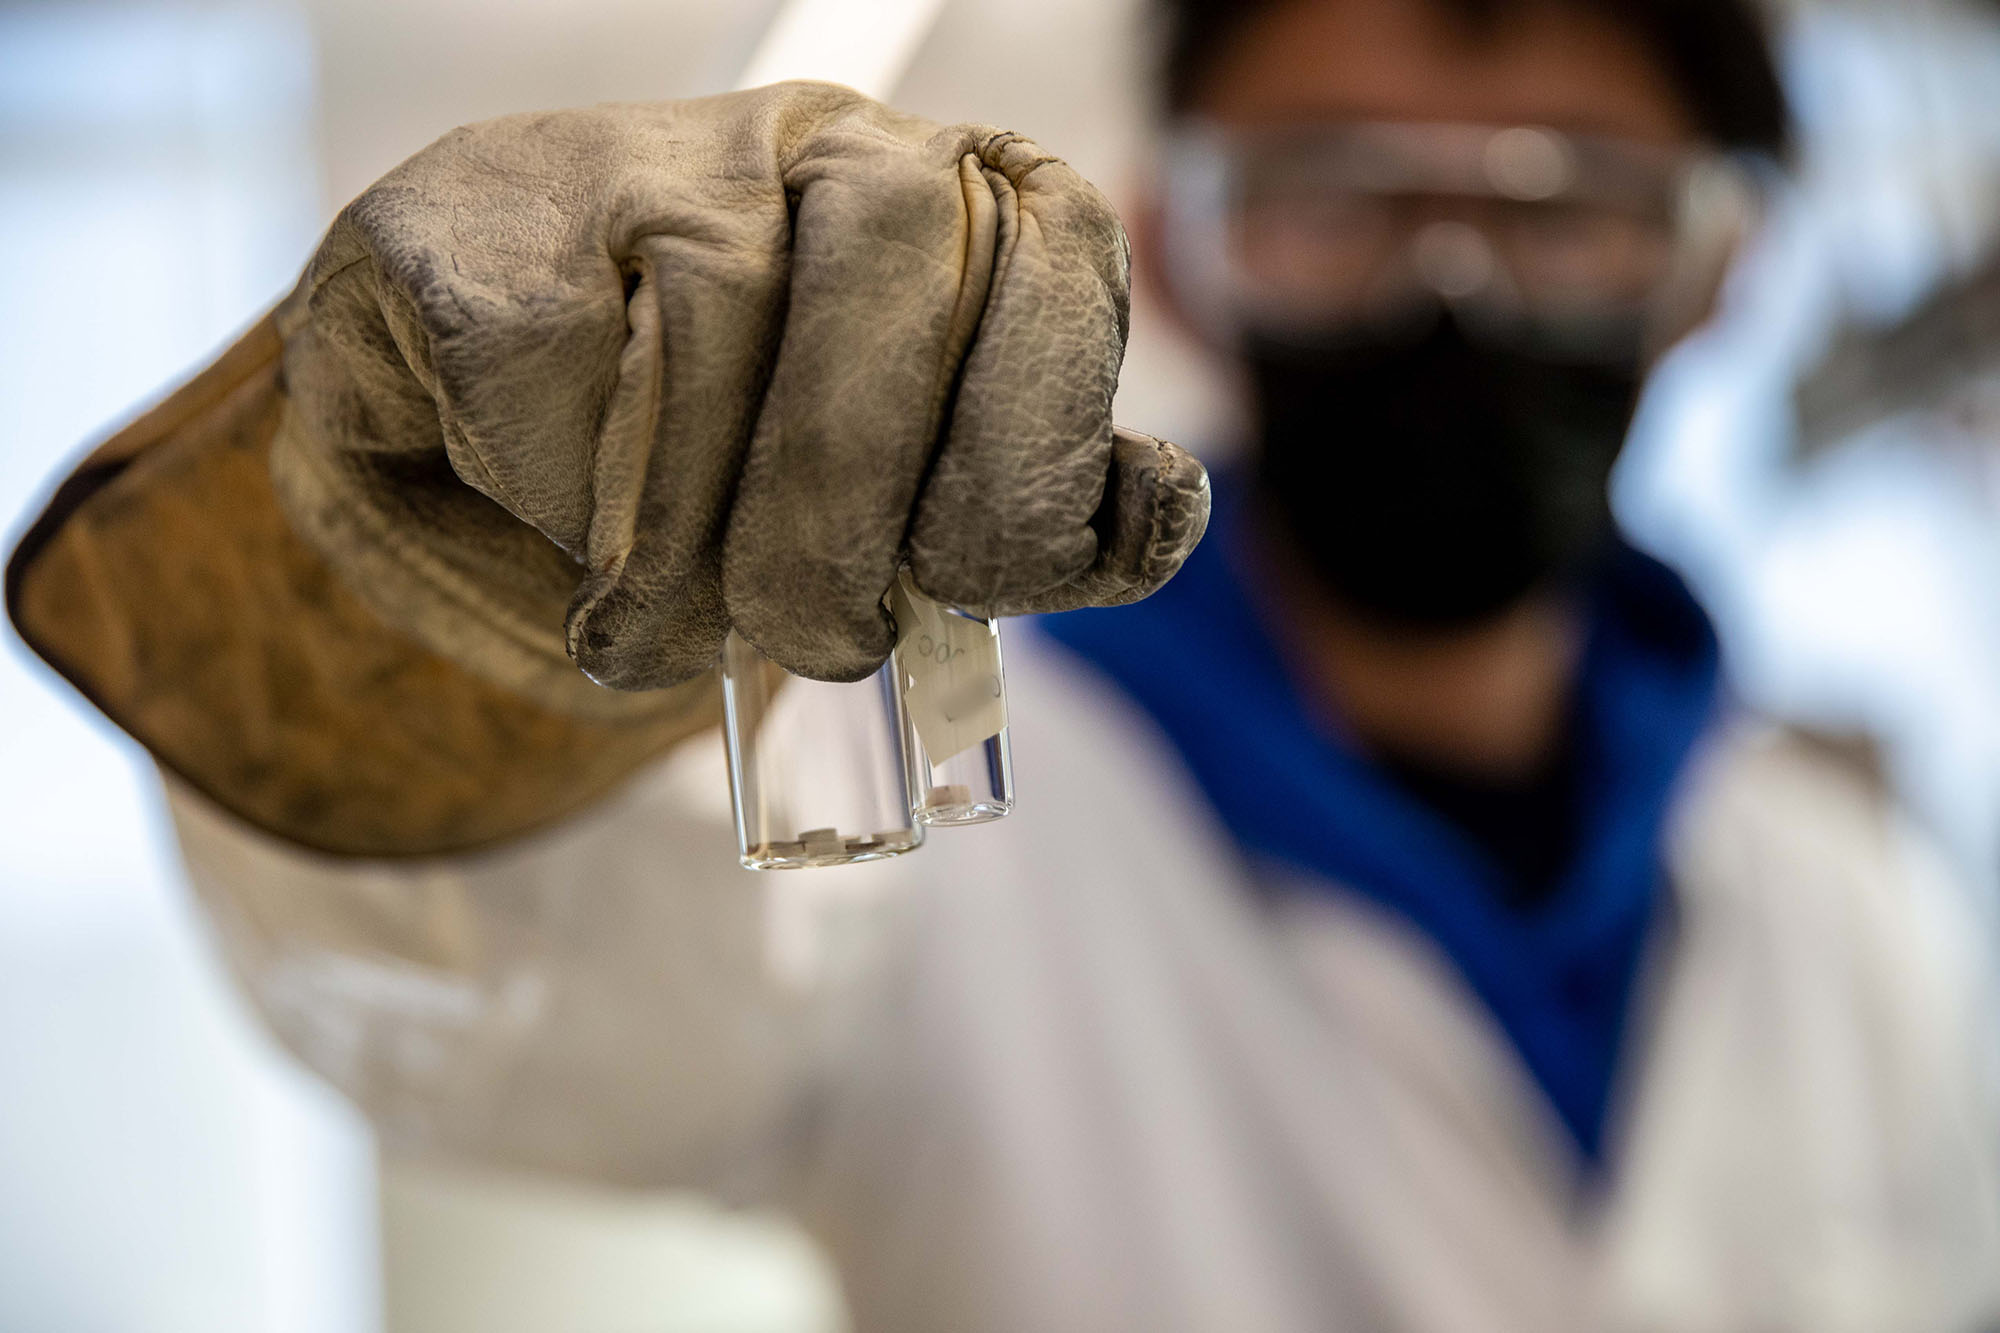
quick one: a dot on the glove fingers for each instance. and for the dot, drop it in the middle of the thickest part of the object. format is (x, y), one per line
(1006, 515)
(1154, 512)
(892, 253)
(704, 320)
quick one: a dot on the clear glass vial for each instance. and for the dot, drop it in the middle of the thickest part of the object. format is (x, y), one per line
(817, 772)
(823, 774)
(954, 707)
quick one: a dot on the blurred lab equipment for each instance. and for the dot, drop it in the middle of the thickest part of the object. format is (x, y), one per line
(1944, 357)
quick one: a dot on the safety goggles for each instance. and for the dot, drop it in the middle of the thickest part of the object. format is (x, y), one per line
(1302, 230)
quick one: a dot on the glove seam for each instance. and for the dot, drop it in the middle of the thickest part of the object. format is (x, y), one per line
(383, 534)
(997, 145)
(532, 657)
(320, 280)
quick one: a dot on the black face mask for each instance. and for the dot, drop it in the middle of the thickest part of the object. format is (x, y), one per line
(1433, 479)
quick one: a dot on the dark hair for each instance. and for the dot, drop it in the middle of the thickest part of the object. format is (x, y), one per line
(1716, 53)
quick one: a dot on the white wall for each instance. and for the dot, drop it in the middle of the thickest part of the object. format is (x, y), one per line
(162, 1168)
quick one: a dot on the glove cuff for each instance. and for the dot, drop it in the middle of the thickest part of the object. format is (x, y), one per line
(165, 584)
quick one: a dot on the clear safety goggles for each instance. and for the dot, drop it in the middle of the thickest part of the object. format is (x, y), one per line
(1303, 230)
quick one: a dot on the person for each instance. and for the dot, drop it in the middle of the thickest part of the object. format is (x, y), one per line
(1399, 928)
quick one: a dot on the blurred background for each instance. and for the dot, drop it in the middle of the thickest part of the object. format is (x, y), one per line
(1824, 464)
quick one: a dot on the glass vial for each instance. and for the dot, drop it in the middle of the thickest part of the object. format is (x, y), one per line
(954, 711)
(816, 770)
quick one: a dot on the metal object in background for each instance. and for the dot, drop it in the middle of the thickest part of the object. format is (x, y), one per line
(1946, 352)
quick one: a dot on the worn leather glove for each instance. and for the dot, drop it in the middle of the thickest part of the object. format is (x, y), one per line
(645, 372)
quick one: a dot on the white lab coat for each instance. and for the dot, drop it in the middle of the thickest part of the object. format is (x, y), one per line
(1077, 1071)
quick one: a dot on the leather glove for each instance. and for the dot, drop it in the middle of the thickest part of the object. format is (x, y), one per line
(647, 372)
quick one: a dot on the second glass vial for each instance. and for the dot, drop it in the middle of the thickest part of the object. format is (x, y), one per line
(954, 696)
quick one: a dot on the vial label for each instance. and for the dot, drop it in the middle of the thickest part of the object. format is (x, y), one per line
(950, 667)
